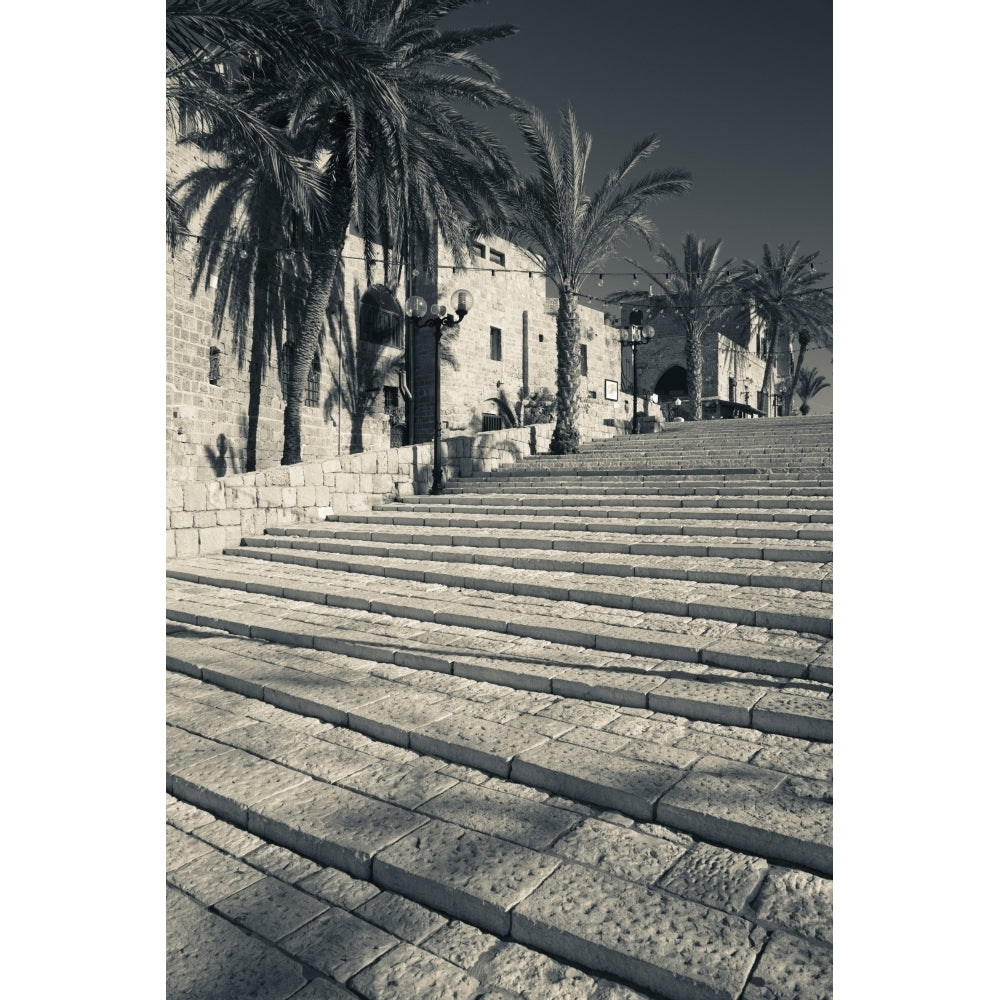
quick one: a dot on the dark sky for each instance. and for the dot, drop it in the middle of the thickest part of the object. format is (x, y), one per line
(740, 94)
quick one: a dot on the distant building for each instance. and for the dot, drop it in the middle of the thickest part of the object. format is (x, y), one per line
(732, 367)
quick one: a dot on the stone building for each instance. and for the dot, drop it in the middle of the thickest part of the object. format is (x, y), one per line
(732, 367)
(372, 385)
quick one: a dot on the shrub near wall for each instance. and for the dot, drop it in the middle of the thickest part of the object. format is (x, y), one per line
(207, 517)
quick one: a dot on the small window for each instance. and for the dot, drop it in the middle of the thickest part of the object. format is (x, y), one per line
(497, 258)
(312, 385)
(592, 394)
(732, 390)
(380, 318)
(583, 359)
(214, 366)
(479, 249)
(492, 422)
(390, 394)
(496, 350)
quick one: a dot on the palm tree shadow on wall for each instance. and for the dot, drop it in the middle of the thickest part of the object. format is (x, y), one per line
(362, 367)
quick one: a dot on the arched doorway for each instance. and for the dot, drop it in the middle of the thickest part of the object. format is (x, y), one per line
(673, 382)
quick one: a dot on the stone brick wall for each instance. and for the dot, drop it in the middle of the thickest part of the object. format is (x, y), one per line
(206, 517)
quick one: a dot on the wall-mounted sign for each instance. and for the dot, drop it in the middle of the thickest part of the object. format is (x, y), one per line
(610, 389)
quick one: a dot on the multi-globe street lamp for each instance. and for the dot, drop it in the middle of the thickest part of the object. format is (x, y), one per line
(440, 319)
(635, 335)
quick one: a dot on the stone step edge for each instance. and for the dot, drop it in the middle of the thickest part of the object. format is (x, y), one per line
(718, 548)
(298, 537)
(671, 525)
(732, 653)
(573, 506)
(713, 608)
(388, 868)
(725, 654)
(533, 766)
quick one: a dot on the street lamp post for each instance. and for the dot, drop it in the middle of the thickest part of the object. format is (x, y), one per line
(635, 335)
(440, 319)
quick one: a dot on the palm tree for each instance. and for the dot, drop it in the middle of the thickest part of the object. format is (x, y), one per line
(234, 71)
(570, 232)
(379, 146)
(700, 295)
(804, 338)
(810, 382)
(786, 292)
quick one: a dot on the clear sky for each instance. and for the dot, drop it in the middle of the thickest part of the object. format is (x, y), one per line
(740, 94)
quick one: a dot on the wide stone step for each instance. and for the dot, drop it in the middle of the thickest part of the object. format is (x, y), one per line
(656, 769)
(404, 621)
(764, 606)
(672, 520)
(625, 486)
(483, 532)
(373, 865)
(627, 506)
(807, 576)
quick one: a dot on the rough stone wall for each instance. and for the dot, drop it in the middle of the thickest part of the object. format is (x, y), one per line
(512, 298)
(206, 517)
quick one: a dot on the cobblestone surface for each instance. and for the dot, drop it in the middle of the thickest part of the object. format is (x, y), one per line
(568, 738)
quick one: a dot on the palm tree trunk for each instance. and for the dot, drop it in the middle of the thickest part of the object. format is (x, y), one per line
(790, 395)
(566, 436)
(772, 350)
(320, 288)
(258, 358)
(695, 368)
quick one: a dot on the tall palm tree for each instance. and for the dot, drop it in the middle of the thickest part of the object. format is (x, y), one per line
(787, 293)
(570, 232)
(810, 382)
(804, 339)
(374, 142)
(698, 292)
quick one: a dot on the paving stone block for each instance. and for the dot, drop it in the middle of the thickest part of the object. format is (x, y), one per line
(461, 944)
(339, 944)
(798, 902)
(790, 822)
(612, 782)
(182, 848)
(401, 916)
(501, 813)
(271, 908)
(469, 875)
(475, 742)
(795, 715)
(523, 972)
(400, 784)
(765, 659)
(208, 957)
(620, 851)
(658, 942)
(228, 784)
(211, 877)
(729, 704)
(717, 877)
(792, 967)
(229, 838)
(332, 825)
(407, 972)
(338, 888)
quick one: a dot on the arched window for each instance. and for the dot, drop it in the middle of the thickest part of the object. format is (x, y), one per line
(380, 319)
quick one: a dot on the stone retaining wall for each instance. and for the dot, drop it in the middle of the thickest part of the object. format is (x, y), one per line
(206, 517)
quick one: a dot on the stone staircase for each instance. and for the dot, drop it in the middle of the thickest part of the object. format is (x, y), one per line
(563, 731)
